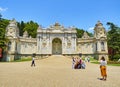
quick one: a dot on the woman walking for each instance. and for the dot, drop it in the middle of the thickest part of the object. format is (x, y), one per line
(103, 64)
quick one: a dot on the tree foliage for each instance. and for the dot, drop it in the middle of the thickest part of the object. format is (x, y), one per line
(3, 25)
(113, 41)
(80, 33)
(21, 26)
(31, 28)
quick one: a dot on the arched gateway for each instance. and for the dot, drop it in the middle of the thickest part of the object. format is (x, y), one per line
(56, 39)
(56, 46)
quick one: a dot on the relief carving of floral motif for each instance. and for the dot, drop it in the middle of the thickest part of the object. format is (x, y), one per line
(44, 42)
(68, 43)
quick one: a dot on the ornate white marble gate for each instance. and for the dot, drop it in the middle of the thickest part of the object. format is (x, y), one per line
(56, 39)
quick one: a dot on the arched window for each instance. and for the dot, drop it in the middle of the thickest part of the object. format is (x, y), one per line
(102, 46)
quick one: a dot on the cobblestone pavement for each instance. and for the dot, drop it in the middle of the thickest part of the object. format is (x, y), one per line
(55, 71)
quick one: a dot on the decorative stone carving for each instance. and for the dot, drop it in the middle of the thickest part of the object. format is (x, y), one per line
(68, 43)
(85, 35)
(25, 34)
(56, 26)
(12, 29)
(58, 40)
(99, 30)
(44, 42)
(13, 23)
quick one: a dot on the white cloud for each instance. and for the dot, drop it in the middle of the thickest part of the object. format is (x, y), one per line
(3, 9)
(91, 29)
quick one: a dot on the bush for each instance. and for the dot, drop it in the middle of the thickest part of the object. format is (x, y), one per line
(113, 62)
(22, 59)
(116, 57)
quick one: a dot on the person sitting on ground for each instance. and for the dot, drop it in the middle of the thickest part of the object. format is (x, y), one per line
(80, 63)
(83, 65)
(76, 63)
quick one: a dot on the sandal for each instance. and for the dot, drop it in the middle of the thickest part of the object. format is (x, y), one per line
(101, 79)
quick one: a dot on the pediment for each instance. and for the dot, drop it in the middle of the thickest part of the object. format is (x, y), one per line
(85, 35)
(56, 26)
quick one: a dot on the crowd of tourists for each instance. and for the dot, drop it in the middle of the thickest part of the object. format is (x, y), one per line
(78, 63)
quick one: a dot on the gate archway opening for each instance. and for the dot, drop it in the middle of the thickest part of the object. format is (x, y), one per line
(56, 46)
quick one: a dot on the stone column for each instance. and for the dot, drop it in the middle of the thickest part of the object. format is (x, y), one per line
(75, 50)
(98, 46)
(106, 47)
(13, 46)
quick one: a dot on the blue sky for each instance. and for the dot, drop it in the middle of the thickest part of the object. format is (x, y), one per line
(79, 13)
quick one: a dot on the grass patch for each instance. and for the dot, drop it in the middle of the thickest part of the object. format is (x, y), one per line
(114, 64)
(92, 59)
(109, 63)
(23, 60)
(95, 62)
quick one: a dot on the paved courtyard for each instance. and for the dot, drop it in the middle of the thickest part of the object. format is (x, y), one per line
(55, 71)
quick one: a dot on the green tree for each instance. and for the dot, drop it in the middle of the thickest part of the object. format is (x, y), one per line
(80, 33)
(3, 25)
(21, 26)
(31, 28)
(90, 34)
(113, 41)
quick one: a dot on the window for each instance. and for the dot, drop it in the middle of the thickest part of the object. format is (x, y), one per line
(102, 46)
(96, 46)
(9, 46)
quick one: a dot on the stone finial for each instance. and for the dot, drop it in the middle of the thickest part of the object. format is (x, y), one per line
(40, 27)
(73, 28)
(57, 24)
(99, 30)
(13, 22)
(25, 34)
(99, 23)
(12, 29)
(30, 37)
(85, 35)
